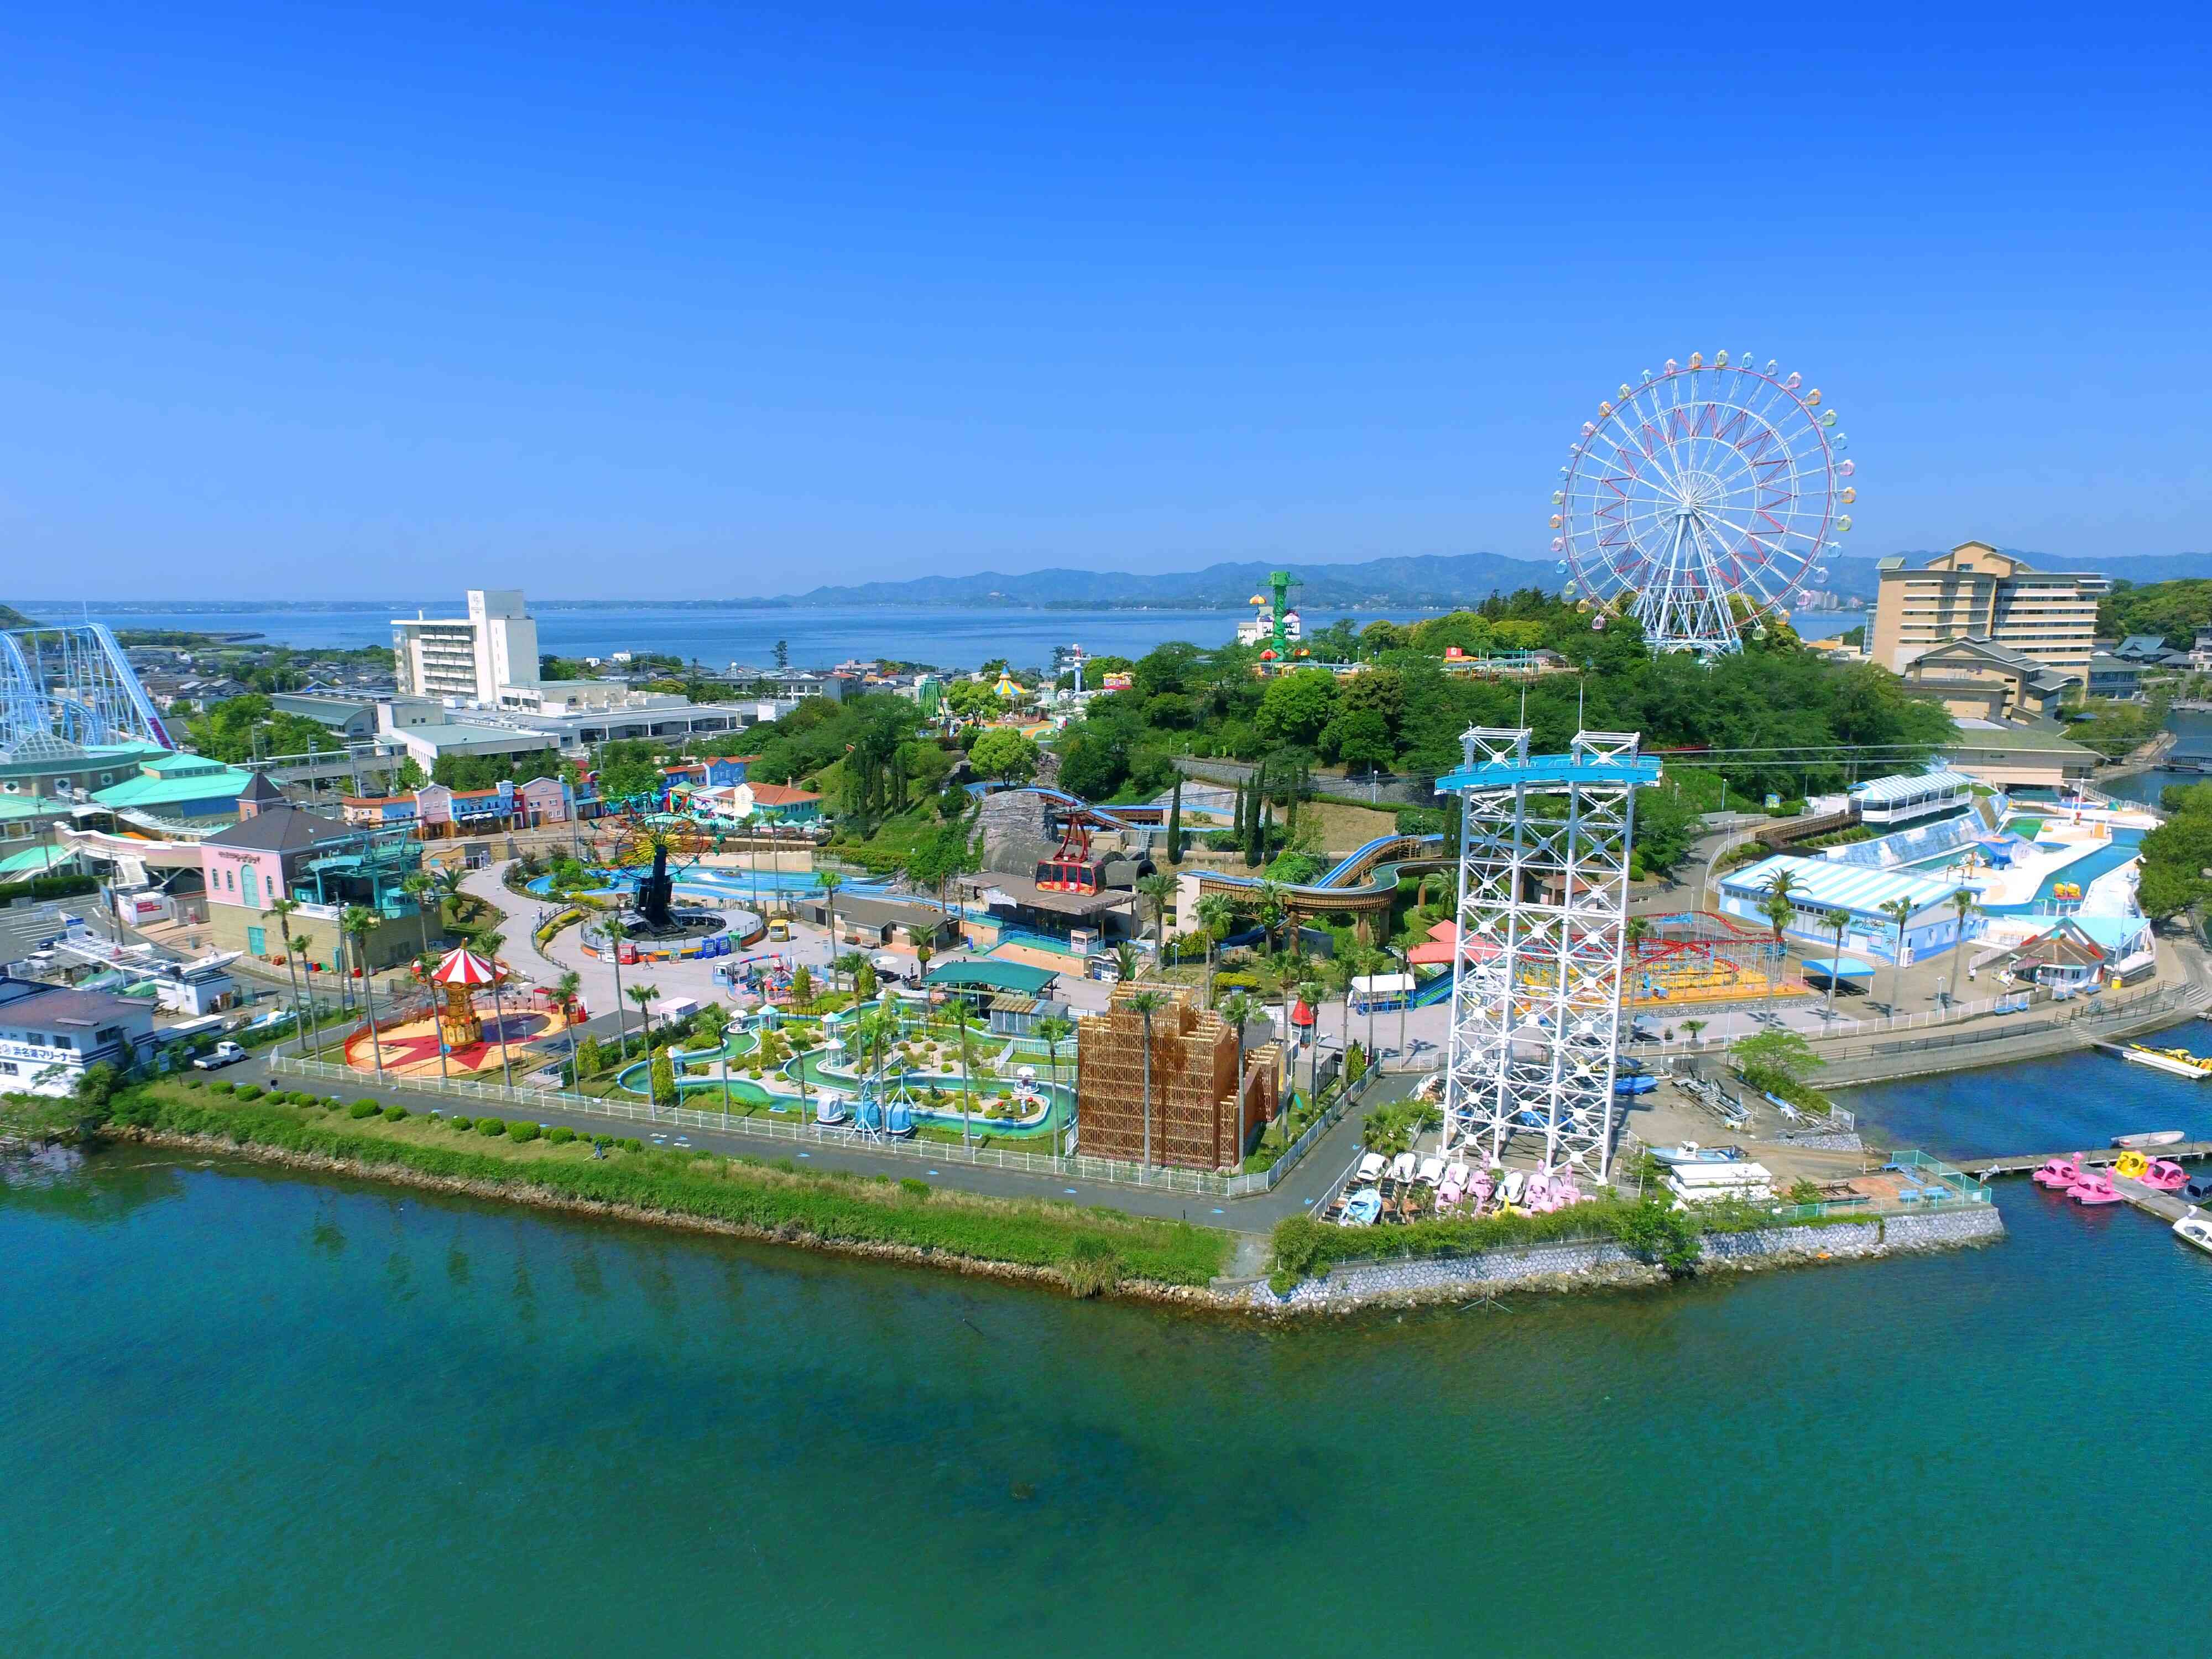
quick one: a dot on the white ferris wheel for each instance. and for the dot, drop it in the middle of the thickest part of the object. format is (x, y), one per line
(1703, 502)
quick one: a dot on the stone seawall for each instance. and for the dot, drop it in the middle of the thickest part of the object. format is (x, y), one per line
(1587, 1263)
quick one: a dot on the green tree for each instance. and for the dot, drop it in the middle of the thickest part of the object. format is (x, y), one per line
(1310, 993)
(830, 881)
(1175, 824)
(418, 886)
(1296, 706)
(1962, 903)
(1004, 754)
(1781, 1053)
(645, 996)
(283, 909)
(1778, 907)
(663, 1073)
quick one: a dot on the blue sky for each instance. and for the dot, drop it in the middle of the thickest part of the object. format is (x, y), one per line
(303, 302)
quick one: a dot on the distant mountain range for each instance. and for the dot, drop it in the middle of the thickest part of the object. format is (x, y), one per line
(1430, 581)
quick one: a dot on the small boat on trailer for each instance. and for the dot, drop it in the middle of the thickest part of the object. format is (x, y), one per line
(2177, 1062)
(2148, 1138)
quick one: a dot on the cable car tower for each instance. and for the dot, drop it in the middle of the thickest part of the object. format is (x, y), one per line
(1536, 975)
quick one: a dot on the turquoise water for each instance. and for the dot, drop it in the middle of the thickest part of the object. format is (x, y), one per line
(255, 1413)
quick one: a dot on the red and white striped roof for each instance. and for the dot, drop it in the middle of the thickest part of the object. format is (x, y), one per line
(463, 966)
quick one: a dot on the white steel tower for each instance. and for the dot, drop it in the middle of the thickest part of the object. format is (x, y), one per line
(1537, 978)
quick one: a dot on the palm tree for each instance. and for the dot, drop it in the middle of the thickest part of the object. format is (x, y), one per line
(645, 996)
(1054, 1030)
(489, 945)
(1963, 902)
(609, 936)
(448, 883)
(1125, 963)
(1215, 914)
(1836, 921)
(830, 881)
(1898, 910)
(416, 884)
(1694, 1027)
(1237, 1009)
(1272, 906)
(1777, 910)
(281, 910)
(1160, 890)
(1145, 1005)
(565, 991)
(297, 945)
(357, 922)
(962, 1025)
(1310, 993)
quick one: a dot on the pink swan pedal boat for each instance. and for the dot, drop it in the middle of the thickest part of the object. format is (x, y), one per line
(2164, 1175)
(2059, 1173)
(2095, 1188)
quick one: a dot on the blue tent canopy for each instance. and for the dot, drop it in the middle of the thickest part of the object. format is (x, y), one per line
(1839, 967)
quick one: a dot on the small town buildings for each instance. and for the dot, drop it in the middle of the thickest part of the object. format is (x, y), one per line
(50, 1034)
(2115, 678)
(1821, 886)
(1189, 1109)
(715, 772)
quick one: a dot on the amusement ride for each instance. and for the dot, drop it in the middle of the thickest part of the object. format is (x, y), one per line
(1702, 501)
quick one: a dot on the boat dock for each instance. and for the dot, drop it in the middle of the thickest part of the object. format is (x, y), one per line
(2027, 1162)
(2165, 1206)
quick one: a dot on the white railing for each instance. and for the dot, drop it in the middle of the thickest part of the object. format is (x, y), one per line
(1077, 1167)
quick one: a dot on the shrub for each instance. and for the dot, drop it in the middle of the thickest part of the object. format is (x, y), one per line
(912, 1188)
(464, 1124)
(630, 1144)
(560, 1134)
(522, 1132)
(603, 1141)
(395, 1112)
(362, 1109)
(491, 1125)
(1092, 1266)
(251, 1092)
(225, 1087)
(373, 1105)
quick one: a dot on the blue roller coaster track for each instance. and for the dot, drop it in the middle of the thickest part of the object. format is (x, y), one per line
(72, 685)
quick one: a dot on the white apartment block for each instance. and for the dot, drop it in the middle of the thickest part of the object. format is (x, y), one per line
(472, 658)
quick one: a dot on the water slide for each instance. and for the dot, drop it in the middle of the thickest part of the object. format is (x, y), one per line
(1365, 876)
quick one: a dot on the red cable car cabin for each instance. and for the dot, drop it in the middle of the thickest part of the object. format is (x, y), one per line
(1072, 869)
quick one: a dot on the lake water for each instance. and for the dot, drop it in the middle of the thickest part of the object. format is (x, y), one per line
(720, 635)
(253, 1414)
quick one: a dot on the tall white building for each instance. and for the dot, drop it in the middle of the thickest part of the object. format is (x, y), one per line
(473, 658)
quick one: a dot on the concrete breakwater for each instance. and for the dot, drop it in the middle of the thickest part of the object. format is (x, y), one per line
(1582, 1264)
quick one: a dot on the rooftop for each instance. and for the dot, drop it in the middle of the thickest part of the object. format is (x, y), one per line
(1883, 791)
(187, 784)
(1016, 976)
(1827, 884)
(58, 1006)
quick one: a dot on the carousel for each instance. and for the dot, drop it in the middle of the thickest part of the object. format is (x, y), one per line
(476, 1022)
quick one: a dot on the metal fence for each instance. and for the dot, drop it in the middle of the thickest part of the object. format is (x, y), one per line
(806, 1132)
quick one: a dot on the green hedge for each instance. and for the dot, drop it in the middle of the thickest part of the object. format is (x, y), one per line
(47, 887)
(1095, 1246)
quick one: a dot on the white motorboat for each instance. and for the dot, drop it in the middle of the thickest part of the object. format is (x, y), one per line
(2194, 1228)
(2175, 1062)
(2148, 1138)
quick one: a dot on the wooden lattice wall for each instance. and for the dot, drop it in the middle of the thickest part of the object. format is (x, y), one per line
(1195, 1121)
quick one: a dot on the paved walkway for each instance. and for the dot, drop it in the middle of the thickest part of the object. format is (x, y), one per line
(1299, 1190)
